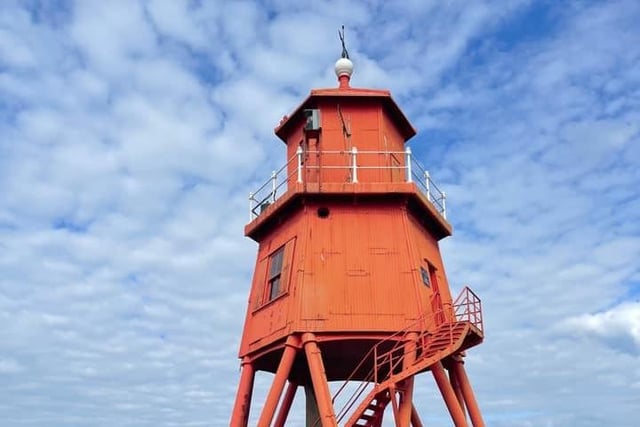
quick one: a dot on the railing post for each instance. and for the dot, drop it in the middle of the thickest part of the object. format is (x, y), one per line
(408, 161)
(274, 178)
(354, 164)
(427, 183)
(250, 206)
(375, 364)
(299, 155)
(444, 205)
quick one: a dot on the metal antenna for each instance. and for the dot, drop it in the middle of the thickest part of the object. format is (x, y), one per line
(345, 54)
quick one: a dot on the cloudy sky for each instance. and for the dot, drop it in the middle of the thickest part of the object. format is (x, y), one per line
(132, 131)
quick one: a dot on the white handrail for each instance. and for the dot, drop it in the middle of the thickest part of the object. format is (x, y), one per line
(408, 163)
(299, 169)
(354, 165)
(269, 192)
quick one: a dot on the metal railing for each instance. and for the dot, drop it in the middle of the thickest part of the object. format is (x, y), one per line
(402, 167)
(436, 196)
(269, 192)
(468, 308)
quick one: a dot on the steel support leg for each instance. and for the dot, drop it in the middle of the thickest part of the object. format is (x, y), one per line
(283, 413)
(240, 414)
(319, 379)
(459, 420)
(312, 413)
(415, 418)
(455, 384)
(467, 392)
(406, 400)
(284, 368)
(394, 404)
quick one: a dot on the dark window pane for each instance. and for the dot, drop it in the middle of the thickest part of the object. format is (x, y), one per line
(275, 288)
(276, 263)
(425, 277)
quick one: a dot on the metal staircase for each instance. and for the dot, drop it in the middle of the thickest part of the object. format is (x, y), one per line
(447, 340)
(384, 381)
(372, 413)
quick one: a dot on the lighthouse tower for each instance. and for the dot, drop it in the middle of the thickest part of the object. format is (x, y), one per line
(349, 285)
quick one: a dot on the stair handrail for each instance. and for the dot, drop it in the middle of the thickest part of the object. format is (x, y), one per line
(373, 349)
(471, 312)
(373, 373)
(354, 396)
(384, 384)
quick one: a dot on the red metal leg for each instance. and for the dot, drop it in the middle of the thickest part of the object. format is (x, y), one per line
(455, 384)
(279, 380)
(415, 418)
(406, 400)
(459, 420)
(289, 394)
(319, 379)
(312, 416)
(467, 392)
(394, 404)
(240, 414)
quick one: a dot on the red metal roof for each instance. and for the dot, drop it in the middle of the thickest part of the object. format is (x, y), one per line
(406, 129)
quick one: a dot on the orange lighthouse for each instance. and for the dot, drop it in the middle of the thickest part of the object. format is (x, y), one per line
(349, 285)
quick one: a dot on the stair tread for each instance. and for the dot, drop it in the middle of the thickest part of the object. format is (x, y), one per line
(377, 405)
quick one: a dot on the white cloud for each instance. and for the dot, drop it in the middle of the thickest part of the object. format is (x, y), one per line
(10, 366)
(112, 36)
(14, 52)
(618, 327)
(178, 20)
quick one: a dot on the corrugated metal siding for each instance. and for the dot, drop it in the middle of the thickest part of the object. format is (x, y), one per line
(356, 274)
(267, 321)
(357, 270)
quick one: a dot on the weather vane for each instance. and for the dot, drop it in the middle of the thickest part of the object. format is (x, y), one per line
(345, 54)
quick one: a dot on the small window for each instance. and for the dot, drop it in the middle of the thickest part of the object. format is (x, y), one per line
(425, 277)
(275, 274)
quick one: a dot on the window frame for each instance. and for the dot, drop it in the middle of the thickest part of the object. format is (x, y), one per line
(425, 274)
(263, 284)
(274, 276)
(430, 271)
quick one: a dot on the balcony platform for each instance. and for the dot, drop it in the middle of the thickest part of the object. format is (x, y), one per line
(416, 200)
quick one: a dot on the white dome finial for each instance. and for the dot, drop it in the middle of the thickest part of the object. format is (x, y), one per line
(344, 67)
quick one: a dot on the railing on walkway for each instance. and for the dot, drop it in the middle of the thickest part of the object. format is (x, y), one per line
(468, 308)
(350, 166)
(273, 188)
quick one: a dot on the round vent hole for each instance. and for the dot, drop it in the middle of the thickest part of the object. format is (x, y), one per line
(323, 212)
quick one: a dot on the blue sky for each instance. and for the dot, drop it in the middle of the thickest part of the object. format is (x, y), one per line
(131, 133)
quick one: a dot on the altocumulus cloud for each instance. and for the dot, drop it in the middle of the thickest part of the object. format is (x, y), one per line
(618, 326)
(132, 131)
